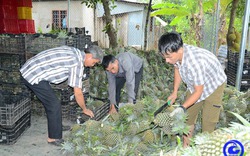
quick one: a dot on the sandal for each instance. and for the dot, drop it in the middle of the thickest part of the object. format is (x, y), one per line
(57, 142)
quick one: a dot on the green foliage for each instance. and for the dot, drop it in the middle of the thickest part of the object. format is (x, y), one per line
(91, 3)
(40, 30)
(244, 121)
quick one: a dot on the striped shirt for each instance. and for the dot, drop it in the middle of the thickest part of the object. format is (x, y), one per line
(129, 64)
(201, 67)
(55, 65)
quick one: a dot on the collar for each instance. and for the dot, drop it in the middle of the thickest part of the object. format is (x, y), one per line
(180, 64)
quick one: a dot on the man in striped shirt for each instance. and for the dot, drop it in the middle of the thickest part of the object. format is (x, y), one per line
(56, 66)
(203, 74)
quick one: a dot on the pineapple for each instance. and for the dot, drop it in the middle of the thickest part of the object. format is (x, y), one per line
(106, 129)
(163, 119)
(149, 136)
(92, 125)
(112, 139)
(132, 128)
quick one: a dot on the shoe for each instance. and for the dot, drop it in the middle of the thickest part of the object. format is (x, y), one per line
(66, 128)
(57, 142)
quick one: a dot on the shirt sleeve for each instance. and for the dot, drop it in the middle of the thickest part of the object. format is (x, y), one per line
(111, 88)
(75, 75)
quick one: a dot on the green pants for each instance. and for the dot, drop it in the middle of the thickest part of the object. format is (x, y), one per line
(210, 108)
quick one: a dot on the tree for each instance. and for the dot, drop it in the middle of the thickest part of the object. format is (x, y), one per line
(186, 10)
(231, 29)
(109, 28)
(146, 25)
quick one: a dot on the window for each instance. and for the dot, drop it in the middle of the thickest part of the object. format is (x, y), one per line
(58, 19)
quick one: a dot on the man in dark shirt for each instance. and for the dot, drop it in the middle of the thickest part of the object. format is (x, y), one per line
(125, 67)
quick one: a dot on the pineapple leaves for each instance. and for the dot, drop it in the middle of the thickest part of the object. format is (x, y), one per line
(244, 121)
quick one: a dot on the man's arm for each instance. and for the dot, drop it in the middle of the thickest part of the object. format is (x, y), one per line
(111, 91)
(177, 82)
(80, 101)
(194, 96)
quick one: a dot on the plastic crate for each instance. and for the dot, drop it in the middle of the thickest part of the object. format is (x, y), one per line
(12, 94)
(8, 12)
(24, 3)
(100, 112)
(13, 44)
(38, 44)
(245, 83)
(26, 26)
(10, 134)
(64, 94)
(11, 62)
(65, 111)
(232, 71)
(24, 13)
(12, 77)
(9, 26)
(8, 2)
(9, 114)
(234, 57)
(83, 41)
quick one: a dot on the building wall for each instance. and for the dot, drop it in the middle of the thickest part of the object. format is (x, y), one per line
(128, 20)
(80, 15)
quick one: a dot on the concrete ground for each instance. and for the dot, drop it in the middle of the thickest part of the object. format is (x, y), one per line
(33, 142)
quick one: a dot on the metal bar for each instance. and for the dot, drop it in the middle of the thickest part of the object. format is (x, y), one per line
(68, 20)
(217, 23)
(243, 45)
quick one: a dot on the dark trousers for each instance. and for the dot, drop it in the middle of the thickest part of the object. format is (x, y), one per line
(52, 106)
(120, 81)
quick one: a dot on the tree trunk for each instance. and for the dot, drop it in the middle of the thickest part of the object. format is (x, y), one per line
(146, 25)
(110, 30)
(199, 24)
(231, 22)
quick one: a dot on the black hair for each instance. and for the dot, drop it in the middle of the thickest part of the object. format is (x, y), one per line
(107, 60)
(170, 42)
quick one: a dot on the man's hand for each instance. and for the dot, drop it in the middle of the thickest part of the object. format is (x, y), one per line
(178, 110)
(112, 109)
(88, 112)
(172, 97)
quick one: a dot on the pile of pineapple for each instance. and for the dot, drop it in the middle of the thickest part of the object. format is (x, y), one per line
(135, 130)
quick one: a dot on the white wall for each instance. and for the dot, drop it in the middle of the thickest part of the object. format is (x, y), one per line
(80, 15)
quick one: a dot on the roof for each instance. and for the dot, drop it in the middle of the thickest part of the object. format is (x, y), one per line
(132, 2)
(81, 0)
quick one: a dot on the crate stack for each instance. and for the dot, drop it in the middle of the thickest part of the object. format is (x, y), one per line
(63, 92)
(8, 17)
(15, 98)
(74, 109)
(24, 13)
(232, 65)
(99, 106)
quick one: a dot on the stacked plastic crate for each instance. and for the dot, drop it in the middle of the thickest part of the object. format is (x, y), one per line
(100, 111)
(24, 12)
(8, 17)
(232, 67)
(15, 99)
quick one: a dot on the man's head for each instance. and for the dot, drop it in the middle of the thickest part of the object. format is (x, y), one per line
(94, 54)
(111, 64)
(170, 47)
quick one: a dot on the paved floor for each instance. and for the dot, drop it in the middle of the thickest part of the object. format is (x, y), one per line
(33, 141)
